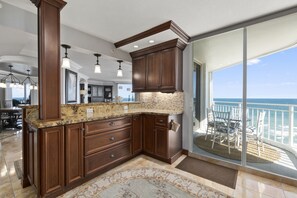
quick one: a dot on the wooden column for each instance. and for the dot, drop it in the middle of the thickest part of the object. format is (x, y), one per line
(49, 58)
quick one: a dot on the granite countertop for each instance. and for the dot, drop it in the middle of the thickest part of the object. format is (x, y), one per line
(85, 117)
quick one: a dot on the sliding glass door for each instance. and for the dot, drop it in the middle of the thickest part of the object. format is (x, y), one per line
(248, 96)
(220, 58)
(272, 96)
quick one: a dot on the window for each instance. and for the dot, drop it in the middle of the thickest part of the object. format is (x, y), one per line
(125, 91)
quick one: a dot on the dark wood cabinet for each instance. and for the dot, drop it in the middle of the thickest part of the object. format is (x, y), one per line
(149, 134)
(74, 152)
(161, 142)
(158, 68)
(62, 157)
(171, 70)
(107, 142)
(153, 68)
(139, 73)
(52, 169)
(137, 134)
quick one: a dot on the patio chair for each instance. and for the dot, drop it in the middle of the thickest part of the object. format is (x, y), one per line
(223, 129)
(210, 123)
(256, 134)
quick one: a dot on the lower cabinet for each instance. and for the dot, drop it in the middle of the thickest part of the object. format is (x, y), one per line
(52, 169)
(73, 153)
(159, 141)
(62, 157)
(106, 142)
(149, 134)
(105, 158)
(137, 134)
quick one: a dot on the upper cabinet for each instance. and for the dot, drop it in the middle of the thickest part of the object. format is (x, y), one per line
(158, 68)
(138, 73)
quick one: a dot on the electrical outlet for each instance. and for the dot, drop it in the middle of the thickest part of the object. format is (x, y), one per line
(126, 107)
(90, 110)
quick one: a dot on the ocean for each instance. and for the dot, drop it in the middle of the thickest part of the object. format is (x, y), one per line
(276, 119)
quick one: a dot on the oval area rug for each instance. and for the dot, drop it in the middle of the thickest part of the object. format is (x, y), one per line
(145, 183)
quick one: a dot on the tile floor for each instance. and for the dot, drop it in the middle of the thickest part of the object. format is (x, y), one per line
(247, 185)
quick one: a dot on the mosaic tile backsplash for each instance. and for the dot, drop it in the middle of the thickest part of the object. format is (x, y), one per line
(162, 101)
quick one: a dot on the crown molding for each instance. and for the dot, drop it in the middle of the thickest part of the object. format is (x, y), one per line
(169, 25)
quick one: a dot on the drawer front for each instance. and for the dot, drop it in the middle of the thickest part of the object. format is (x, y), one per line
(102, 159)
(95, 143)
(161, 120)
(107, 125)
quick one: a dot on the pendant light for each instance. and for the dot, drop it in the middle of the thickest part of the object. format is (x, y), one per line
(33, 85)
(12, 79)
(66, 60)
(120, 71)
(97, 65)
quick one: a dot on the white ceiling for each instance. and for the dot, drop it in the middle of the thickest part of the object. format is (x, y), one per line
(115, 20)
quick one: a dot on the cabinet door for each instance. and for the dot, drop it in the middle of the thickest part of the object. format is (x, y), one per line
(154, 63)
(52, 160)
(161, 142)
(168, 79)
(149, 134)
(74, 153)
(137, 134)
(138, 75)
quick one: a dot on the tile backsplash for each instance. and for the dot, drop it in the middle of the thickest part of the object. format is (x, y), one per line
(162, 101)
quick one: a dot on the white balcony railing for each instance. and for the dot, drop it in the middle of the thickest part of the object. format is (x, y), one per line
(280, 121)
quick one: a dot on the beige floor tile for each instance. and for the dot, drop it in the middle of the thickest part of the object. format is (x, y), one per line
(246, 193)
(290, 194)
(6, 191)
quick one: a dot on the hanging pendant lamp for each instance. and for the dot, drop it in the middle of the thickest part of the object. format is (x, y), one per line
(97, 65)
(12, 79)
(33, 85)
(66, 60)
(120, 71)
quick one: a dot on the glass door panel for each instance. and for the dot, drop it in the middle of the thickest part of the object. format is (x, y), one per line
(218, 134)
(272, 96)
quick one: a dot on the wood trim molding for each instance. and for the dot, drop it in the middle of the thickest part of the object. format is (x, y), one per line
(157, 29)
(162, 46)
(58, 3)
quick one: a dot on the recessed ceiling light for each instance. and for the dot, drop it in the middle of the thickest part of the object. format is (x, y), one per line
(151, 41)
(135, 46)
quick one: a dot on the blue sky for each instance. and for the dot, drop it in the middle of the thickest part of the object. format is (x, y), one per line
(272, 76)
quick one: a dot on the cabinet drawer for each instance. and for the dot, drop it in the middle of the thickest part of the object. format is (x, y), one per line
(107, 125)
(161, 120)
(102, 159)
(101, 141)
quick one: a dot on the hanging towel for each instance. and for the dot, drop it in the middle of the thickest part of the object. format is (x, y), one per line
(174, 126)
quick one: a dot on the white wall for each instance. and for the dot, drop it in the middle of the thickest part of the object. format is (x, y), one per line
(188, 98)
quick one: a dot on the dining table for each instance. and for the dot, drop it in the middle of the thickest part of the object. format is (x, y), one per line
(9, 116)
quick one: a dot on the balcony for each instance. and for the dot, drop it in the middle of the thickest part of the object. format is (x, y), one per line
(280, 137)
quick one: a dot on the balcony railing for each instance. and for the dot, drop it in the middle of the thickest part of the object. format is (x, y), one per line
(280, 120)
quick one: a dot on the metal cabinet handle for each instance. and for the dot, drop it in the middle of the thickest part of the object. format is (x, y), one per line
(112, 139)
(111, 124)
(161, 121)
(82, 130)
(112, 156)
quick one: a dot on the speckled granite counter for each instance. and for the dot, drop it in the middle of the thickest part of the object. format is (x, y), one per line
(85, 117)
(150, 103)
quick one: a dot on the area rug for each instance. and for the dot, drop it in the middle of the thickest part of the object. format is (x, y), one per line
(219, 174)
(18, 166)
(269, 155)
(145, 183)
(7, 133)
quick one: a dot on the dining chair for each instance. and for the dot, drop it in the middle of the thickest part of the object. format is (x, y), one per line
(223, 129)
(210, 122)
(256, 133)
